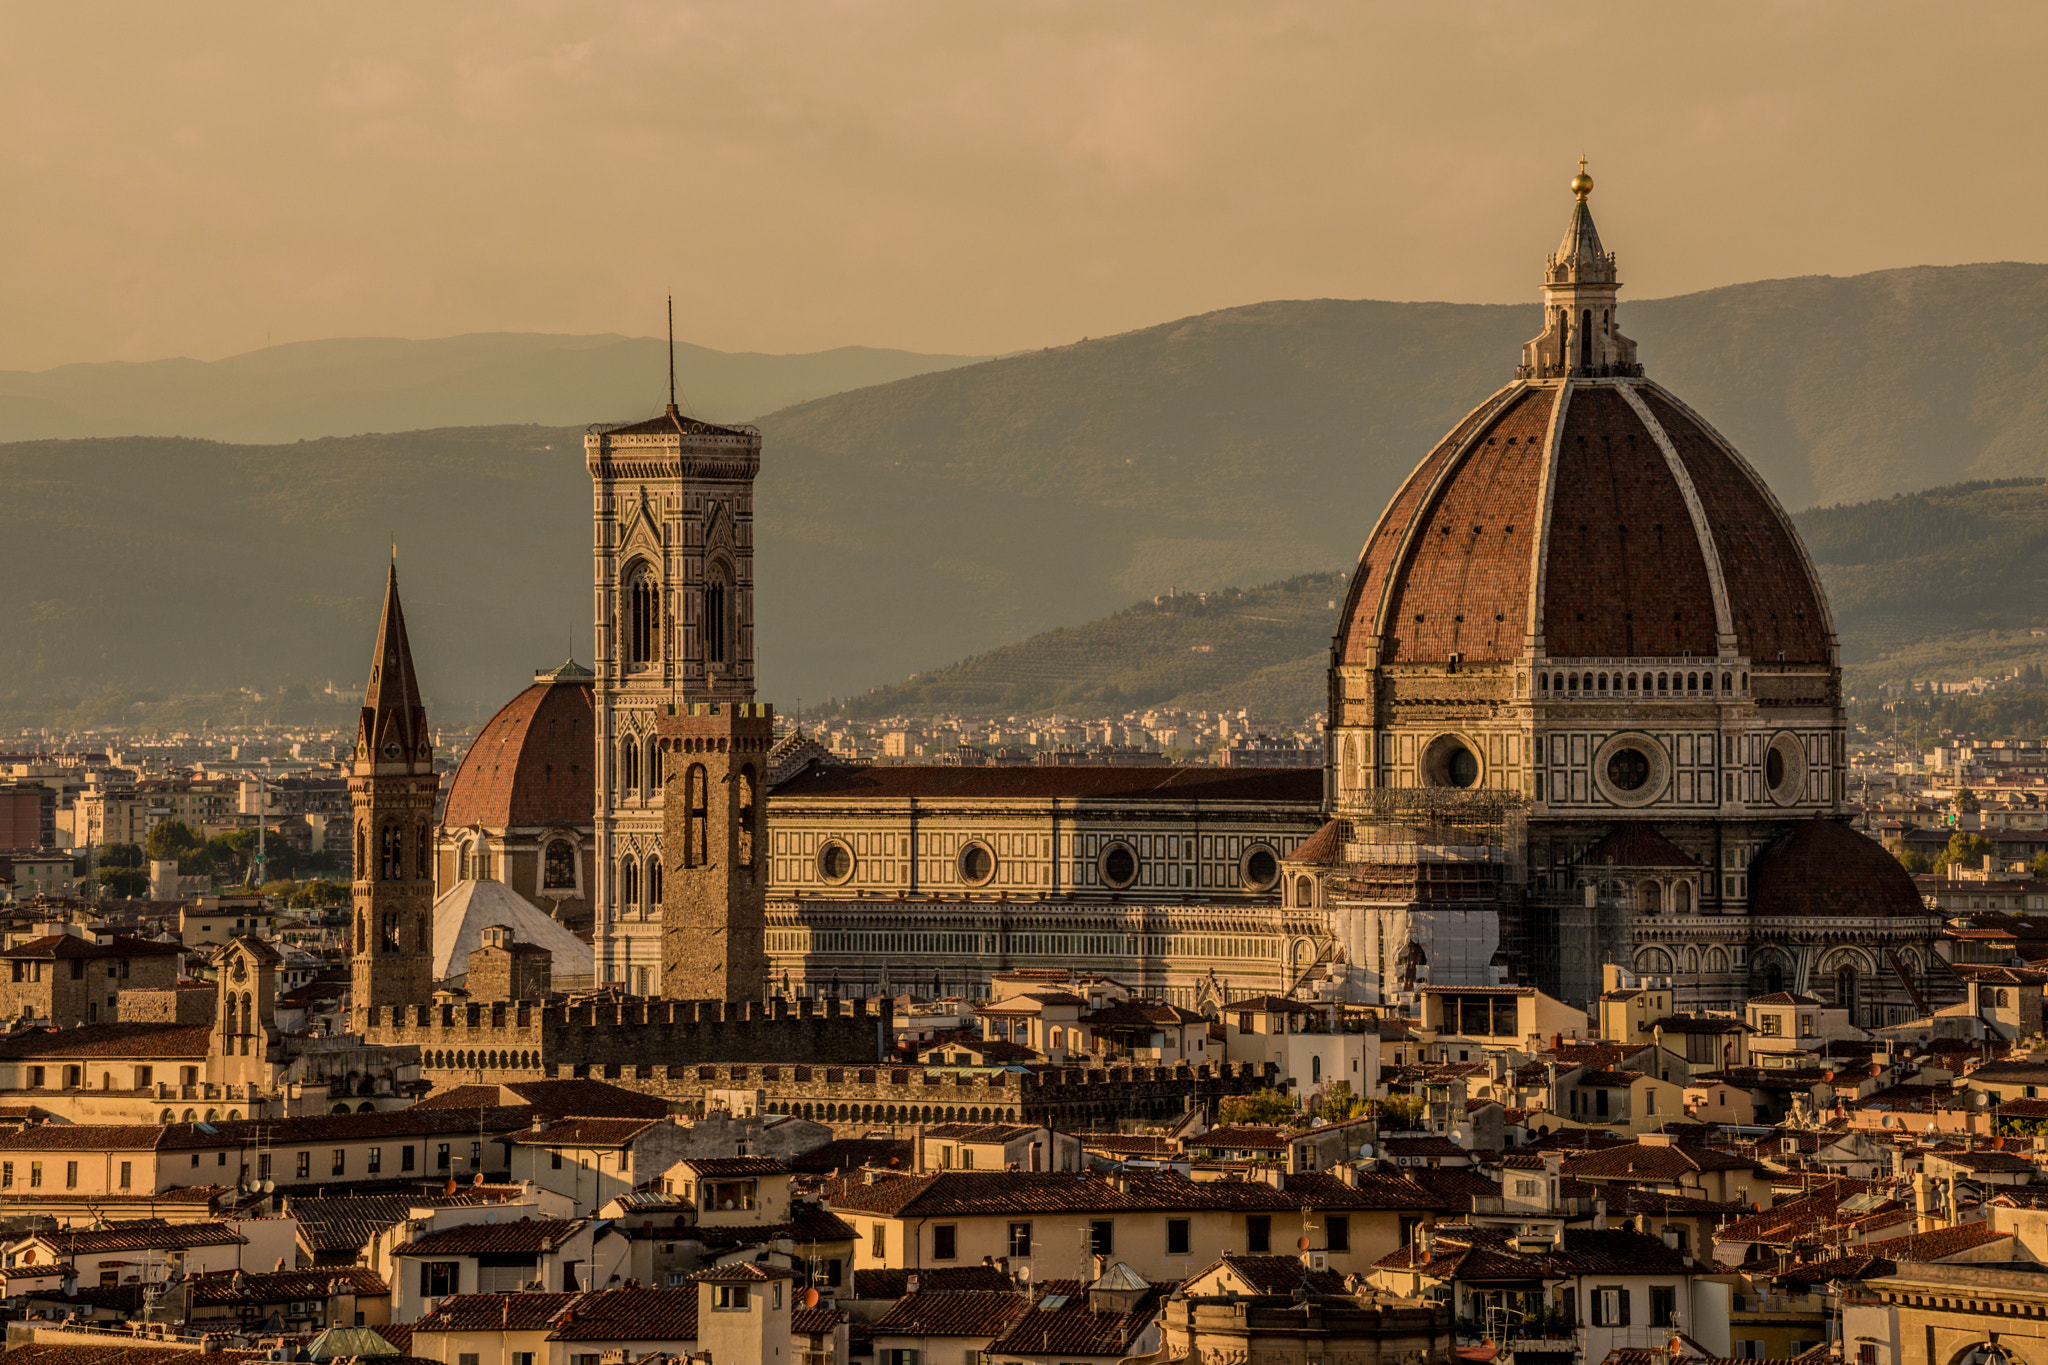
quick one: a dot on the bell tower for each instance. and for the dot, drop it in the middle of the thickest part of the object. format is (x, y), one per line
(714, 909)
(673, 551)
(391, 793)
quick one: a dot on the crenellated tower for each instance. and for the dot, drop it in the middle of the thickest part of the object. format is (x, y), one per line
(714, 910)
(391, 792)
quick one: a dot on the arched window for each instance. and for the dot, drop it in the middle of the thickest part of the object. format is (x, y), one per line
(1586, 339)
(653, 883)
(697, 809)
(1774, 979)
(629, 883)
(1572, 682)
(655, 775)
(1663, 682)
(1543, 682)
(717, 617)
(391, 862)
(2002, 1001)
(1845, 990)
(423, 850)
(1602, 687)
(1304, 891)
(1727, 681)
(558, 867)
(629, 766)
(1315, 1070)
(1706, 682)
(743, 817)
(1650, 897)
(1681, 898)
(643, 616)
(1589, 682)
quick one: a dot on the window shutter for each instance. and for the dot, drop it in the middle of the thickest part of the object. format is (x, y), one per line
(1621, 1297)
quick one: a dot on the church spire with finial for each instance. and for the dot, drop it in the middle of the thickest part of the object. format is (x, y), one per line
(1580, 284)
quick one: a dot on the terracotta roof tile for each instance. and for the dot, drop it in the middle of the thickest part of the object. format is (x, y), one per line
(528, 1234)
(532, 764)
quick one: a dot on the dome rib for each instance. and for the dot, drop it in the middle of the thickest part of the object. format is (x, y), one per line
(1724, 620)
(1389, 537)
(1767, 560)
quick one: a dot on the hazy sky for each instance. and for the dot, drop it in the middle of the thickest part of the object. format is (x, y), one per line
(964, 175)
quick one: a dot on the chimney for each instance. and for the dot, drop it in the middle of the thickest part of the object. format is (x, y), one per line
(1599, 1214)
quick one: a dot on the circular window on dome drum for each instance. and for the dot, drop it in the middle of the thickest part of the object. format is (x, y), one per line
(977, 864)
(1785, 768)
(835, 861)
(1260, 868)
(1449, 761)
(1119, 866)
(1631, 769)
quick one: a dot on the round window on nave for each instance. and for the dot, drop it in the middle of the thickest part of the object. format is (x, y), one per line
(1119, 866)
(977, 864)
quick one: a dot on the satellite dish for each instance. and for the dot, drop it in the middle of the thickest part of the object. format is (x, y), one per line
(269, 1186)
(1365, 1150)
(810, 1298)
(1301, 1242)
(1023, 1274)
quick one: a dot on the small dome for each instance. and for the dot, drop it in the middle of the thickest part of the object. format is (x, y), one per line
(533, 763)
(1822, 869)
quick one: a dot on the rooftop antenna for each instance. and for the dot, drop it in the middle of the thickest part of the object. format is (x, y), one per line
(672, 355)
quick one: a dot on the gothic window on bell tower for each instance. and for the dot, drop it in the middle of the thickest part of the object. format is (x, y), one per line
(643, 616)
(391, 860)
(717, 615)
(629, 766)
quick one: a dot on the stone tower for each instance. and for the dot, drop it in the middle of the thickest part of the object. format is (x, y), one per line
(714, 899)
(391, 792)
(673, 546)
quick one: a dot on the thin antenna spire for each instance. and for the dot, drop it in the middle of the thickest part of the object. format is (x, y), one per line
(671, 353)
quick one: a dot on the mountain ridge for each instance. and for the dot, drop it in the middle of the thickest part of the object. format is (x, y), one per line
(904, 526)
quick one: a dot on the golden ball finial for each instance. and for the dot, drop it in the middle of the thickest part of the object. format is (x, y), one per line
(1582, 184)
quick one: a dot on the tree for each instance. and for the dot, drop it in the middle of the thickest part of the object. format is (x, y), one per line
(1967, 849)
(1339, 1103)
(1913, 860)
(1398, 1111)
(120, 855)
(1261, 1106)
(170, 841)
(131, 882)
(2040, 867)
(1966, 802)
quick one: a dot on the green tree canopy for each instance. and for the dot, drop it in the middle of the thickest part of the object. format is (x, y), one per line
(173, 839)
(1261, 1106)
(131, 882)
(1965, 849)
(120, 855)
(1966, 802)
(1913, 860)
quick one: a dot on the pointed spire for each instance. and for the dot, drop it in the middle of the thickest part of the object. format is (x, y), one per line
(394, 720)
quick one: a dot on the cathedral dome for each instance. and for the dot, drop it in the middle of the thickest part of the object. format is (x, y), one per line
(1583, 512)
(531, 764)
(1822, 869)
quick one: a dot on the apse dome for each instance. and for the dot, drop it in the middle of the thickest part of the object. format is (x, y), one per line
(532, 763)
(1583, 512)
(1822, 869)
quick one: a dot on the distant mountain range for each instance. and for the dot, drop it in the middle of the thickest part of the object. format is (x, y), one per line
(346, 387)
(1943, 583)
(941, 516)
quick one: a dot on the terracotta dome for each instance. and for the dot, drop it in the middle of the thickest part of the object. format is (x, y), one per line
(532, 763)
(1583, 512)
(1822, 869)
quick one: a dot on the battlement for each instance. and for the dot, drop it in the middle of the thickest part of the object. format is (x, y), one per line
(514, 1039)
(713, 720)
(1068, 1097)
